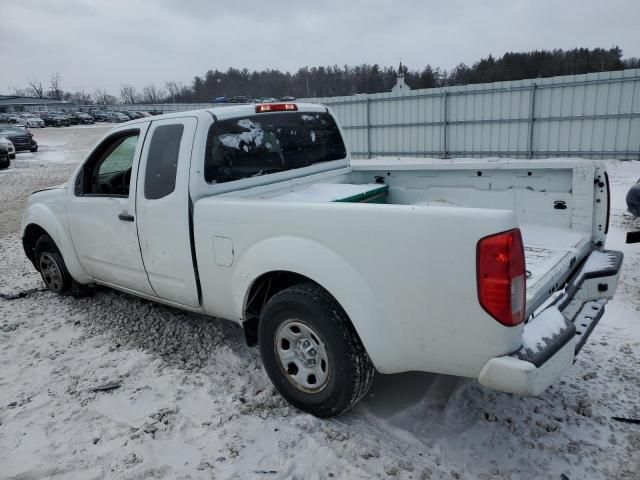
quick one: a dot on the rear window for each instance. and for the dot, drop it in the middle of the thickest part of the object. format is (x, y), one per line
(268, 143)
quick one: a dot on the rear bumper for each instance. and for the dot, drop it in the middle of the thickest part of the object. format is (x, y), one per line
(554, 337)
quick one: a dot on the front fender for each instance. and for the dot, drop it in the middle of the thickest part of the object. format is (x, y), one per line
(325, 267)
(52, 220)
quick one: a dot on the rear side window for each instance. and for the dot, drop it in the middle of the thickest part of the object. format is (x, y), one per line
(162, 161)
(268, 143)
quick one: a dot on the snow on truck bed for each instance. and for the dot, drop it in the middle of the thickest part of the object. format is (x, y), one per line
(328, 192)
(549, 253)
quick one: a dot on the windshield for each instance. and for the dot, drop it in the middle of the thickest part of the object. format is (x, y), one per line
(12, 130)
(268, 143)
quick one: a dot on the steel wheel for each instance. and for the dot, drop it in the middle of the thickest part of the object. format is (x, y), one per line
(51, 272)
(302, 356)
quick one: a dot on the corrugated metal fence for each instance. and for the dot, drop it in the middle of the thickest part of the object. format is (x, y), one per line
(594, 115)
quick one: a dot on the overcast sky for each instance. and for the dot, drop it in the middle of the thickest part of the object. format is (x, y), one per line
(102, 44)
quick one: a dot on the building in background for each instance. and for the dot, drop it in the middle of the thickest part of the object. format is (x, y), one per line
(400, 86)
(12, 103)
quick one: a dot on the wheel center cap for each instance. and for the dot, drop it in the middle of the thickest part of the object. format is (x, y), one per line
(306, 352)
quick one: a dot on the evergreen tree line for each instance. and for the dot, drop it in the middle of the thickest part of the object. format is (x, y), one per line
(328, 81)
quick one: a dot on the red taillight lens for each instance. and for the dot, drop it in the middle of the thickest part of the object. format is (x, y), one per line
(276, 107)
(502, 277)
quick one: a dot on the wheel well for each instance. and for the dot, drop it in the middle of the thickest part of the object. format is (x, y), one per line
(262, 289)
(31, 235)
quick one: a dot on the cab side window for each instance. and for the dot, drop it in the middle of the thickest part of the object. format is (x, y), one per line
(108, 171)
(162, 161)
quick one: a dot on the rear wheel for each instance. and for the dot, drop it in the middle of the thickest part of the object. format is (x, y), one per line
(53, 270)
(312, 353)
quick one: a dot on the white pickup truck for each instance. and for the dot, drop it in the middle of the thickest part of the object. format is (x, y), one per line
(337, 268)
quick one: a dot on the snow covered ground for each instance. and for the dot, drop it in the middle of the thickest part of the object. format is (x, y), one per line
(110, 386)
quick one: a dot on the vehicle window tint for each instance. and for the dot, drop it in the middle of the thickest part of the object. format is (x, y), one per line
(269, 143)
(108, 170)
(120, 159)
(162, 161)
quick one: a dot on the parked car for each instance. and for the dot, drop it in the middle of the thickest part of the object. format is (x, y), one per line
(100, 116)
(633, 199)
(83, 118)
(21, 138)
(129, 115)
(11, 150)
(10, 118)
(54, 119)
(117, 117)
(31, 120)
(73, 120)
(5, 161)
(144, 114)
(337, 268)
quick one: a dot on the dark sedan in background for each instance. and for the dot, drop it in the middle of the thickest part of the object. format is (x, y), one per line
(21, 138)
(54, 120)
(82, 118)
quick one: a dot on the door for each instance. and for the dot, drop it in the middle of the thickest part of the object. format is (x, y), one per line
(101, 211)
(163, 210)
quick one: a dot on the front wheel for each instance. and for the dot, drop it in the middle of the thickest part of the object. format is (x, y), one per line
(312, 353)
(53, 270)
(33, 149)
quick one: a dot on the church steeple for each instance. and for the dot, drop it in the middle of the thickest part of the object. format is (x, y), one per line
(400, 86)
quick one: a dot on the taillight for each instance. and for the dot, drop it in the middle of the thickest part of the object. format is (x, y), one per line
(276, 107)
(502, 277)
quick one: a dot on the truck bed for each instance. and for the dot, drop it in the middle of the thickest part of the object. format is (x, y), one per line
(553, 202)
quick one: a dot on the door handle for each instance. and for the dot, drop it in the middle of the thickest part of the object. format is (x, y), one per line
(126, 217)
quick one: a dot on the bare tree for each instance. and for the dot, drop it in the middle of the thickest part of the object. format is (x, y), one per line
(19, 92)
(128, 94)
(35, 89)
(81, 97)
(152, 94)
(102, 97)
(173, 88)
(54, 86)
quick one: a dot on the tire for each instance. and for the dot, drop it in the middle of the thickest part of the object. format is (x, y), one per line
(33, 150)
(312, 353)
(4, 162)
(53, 270)
(12, 156)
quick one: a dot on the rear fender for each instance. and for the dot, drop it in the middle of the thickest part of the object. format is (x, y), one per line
(329, 270)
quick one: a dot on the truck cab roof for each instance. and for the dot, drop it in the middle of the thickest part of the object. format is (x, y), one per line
(231, 110)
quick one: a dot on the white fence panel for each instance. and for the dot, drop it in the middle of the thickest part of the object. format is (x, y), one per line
(595, 115)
